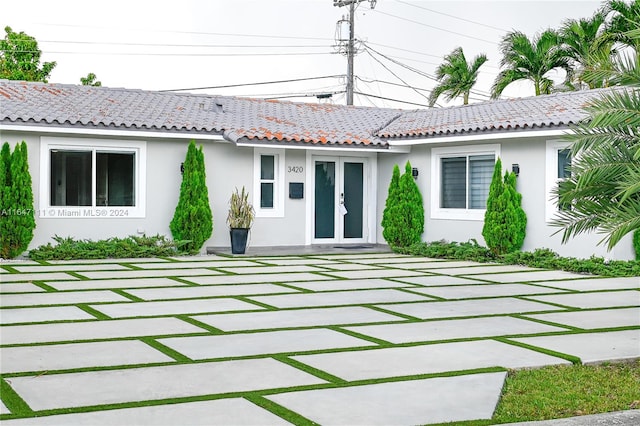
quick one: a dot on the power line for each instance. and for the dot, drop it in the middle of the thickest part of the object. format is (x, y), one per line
(452, 16)
(256, 84)
(434, 27)
(191, 54)
(390, 99)
(235, 46)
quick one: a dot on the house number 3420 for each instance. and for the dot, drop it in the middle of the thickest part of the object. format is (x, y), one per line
(296, 169)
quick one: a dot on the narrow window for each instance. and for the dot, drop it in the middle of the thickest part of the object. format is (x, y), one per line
(267, 180)
(564, 163)
(480, 174)
(454, 181)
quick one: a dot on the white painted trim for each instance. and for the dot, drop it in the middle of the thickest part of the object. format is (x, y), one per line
(472, 137)
(145, 134)
(438, 153)
(93, 211)
(278, 186)
(343, 150)
(551, 176)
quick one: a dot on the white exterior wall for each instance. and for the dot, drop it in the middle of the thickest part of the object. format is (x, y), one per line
(227, 167)
(530, 154)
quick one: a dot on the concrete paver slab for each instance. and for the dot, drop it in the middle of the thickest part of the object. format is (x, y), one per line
(484, 269)
(235, 345)
(257, 278)
(349, 267)
(61, 298)
(359, 256)
(592, 347)
(201, 264)
(142, 309)
(530, 276)
(187, 292)
(72, 268)
(53, 313)
(271, 269)
(601, 299)
(78, 355)
(89, 330)
(151, 273)
(4, 409)
(485, 290)
(338, 298)
(153, 383)
(606, 318)
(396, 260)
(454, 264)
(590, 284)
(236, 411)
(411, 265)
(19, 288)
(437, 280)
(442, 399)
(468, 308)
(110, 260)
(114, 283)
(376, 273)
(372, 283)
(12, 278)
(427, 359)
(290, 261)
(295, 318)
(453, 329)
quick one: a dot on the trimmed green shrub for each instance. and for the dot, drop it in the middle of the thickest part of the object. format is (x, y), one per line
(17, 217)
(505, 221)
(112, 248)
(636, 243)
(389, 226)
(192, 221)
(403, 216)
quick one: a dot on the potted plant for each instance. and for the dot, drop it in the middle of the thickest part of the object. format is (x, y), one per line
(240, 219)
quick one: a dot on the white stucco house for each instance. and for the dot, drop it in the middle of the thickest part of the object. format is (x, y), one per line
(106, 162)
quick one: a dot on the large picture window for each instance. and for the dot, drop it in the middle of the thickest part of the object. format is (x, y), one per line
(83, 178)
(460, 182)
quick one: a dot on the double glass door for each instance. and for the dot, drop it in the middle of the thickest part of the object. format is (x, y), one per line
(339, 200)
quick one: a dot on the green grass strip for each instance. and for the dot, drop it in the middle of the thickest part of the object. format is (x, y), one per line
(572, 359)
(88, 309)
(311, 370)
(12, 400)
(166, 350)
(280, 411)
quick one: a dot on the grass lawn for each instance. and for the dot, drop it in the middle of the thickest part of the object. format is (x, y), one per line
(566, 391)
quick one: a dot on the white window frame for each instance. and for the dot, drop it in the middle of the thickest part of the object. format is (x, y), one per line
(437, 154)
(551, 176)
(139, 148)
(278, 182)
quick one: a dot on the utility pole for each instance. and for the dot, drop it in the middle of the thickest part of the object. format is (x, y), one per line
(351, 46)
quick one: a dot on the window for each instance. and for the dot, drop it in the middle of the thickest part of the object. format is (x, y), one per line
(86, 178)
(558, 168)
(269, 182)
(460, 181)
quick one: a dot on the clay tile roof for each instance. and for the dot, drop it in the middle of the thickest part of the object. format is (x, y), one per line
(239, 119)
(557, 110)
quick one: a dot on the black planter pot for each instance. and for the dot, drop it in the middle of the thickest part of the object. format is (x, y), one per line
(239, 240)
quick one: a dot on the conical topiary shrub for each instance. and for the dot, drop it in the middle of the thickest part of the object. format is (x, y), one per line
(192, 221)
(403, 217)
(17, 217)
(504, 221)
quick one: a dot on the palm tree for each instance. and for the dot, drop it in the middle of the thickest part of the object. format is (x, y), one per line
(525, 59)
(624, 18)
(586, 47)
(604, 188)
(456, 77)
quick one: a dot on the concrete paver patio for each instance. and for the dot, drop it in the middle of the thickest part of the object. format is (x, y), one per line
(350, 338)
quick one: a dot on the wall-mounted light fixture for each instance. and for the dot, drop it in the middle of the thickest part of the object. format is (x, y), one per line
(414, 172)
(515, 168)
(181, 168)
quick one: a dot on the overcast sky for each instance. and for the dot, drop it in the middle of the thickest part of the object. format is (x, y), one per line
(186, 44)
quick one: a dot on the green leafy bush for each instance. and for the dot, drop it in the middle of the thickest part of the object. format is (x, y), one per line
(636, 243)
(539, 258)
(117, 248)
(504, 221)
(17, 217)
(403, 216)
(193, 221)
